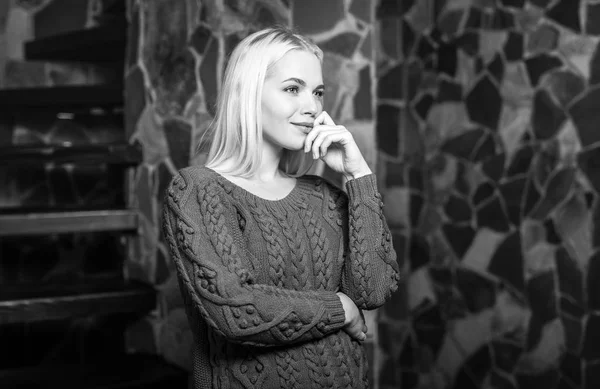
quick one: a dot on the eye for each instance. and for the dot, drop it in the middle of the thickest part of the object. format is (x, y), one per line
(292, 89)
(319, 93)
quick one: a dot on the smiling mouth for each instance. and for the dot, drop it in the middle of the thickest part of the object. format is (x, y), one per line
(305, 127)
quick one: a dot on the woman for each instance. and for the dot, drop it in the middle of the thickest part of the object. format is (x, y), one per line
(275, 266)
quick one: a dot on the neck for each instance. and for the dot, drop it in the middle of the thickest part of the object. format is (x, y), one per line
(269, 165)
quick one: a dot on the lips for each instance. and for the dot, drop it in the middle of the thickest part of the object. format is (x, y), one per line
(306, 127)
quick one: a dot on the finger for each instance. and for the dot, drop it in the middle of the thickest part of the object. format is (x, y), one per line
(326, 138)
(324, 118)
(312, 135)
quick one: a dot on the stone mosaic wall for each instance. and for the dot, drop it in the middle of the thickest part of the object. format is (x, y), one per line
(177, 53)
(488, 140)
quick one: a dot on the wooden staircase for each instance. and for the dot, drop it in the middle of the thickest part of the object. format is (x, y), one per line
(85, 296)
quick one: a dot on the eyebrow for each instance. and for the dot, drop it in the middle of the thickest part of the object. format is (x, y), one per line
(302, 82)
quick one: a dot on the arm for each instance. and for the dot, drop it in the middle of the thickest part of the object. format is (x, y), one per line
(199, 229)
(370, 272)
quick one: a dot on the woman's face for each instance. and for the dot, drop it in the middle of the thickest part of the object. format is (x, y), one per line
(292, 97)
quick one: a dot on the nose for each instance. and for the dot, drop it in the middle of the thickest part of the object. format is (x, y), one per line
(311, 105)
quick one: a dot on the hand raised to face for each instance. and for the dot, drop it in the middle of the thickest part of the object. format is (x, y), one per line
(335, 146)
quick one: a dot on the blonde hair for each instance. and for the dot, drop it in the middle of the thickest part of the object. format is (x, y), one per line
(236, 130)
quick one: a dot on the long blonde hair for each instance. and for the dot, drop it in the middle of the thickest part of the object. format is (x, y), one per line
(236, 130)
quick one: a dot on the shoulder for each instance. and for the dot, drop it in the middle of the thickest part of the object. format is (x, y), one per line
(197, 182)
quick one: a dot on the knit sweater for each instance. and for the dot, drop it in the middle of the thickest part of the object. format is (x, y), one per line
(259, 278)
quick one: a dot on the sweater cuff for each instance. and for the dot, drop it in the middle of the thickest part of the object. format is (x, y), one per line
(335, 311)
(362, 187)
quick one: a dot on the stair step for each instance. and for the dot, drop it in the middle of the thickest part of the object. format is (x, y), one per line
(22, 303)
(108, 95)
(117, 154)
(124, 372)
(67, 222)
(98, 44)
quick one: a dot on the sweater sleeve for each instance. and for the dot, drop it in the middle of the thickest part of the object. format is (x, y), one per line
(213, 277)
(370, 272)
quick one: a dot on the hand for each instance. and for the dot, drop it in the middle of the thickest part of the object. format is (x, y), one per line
(354, 324)
(336, 147)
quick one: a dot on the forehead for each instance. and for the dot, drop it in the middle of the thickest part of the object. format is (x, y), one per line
(297, 64)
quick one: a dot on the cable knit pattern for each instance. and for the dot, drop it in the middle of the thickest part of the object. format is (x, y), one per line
(258, 278)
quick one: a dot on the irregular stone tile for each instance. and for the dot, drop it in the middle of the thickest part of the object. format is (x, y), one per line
(330, 13)
(585, 117)
(420, 289)
(502, 20)
(133, 37)
(513, 3)
(468, 42)
(484, 103)
(493, 215)
(573, 333)
(460, 239)
(449, 91)
(390, 84)
(475, 19)
(397, 206)
(344, 44)
(363, 98)
(409, 38)
(570, 276)
(144, 192)
(458, 209)
(466, 337)
(478, 292)
(577, 49)
(178, 135)
(557, 189)
(424, 48)
(200, 39)
(387, 130)
(593, 270)
(475, 369)
(546, 355)
(552, 234)
(543, 39)
(565, 86)
(511, 192)
(529, 18)
(532, 233)
(592, 23)
(507, 262)
(516, 88)
(546, 162)
(588, 161)
(423, 104)
(135, 95)
(496, 68)
(539, 259)
(208, 74)
(566, 13)
(463, 145)
(362, 9)
(447, 59)
(541, 295)
(494, 167)
(150, 135)
(547, 117)
(513, 47)
(511, 318)
(450, 22)
(539, 65)
(592, 377)
(416, 207)
(484, 243)
(448, 119)
(505, 354)
(591, 345)
(430, 328)
(483, 192)
(413, 74)
(521, 161)
(421, 15)
(571, 368)
(574, 225)
(393, 7)
(490, 43)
